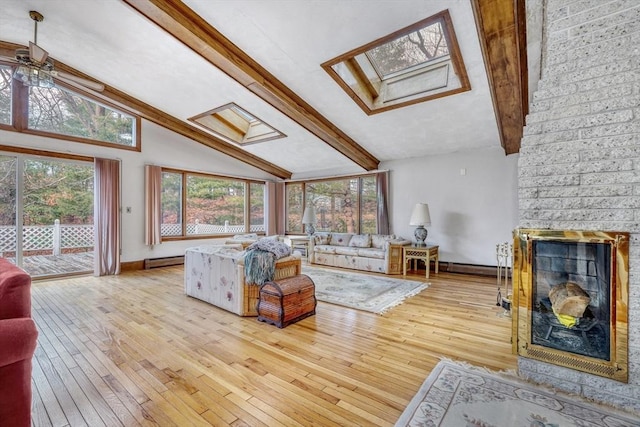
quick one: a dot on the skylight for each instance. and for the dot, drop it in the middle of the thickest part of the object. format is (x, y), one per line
(415, 64)
(233, 123)
(410, 50)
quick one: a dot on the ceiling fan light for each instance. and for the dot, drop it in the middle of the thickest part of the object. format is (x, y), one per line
(33, 76)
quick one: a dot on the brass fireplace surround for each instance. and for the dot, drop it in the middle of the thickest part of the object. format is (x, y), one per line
(523, 306)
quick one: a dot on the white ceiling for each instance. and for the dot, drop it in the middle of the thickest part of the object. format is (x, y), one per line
(113, 43)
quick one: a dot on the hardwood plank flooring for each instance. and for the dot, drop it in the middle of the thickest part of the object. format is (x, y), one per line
(133, 350)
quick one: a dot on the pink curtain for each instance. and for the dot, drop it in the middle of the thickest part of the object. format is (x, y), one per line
(281, 197)
(275, 200)
(271, 215)
(382, 190)
(152, 206)
(106, 213)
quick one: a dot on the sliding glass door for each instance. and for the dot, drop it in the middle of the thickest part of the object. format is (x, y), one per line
(46, 214)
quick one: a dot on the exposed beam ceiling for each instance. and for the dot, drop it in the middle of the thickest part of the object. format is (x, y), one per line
(502, 32)
(180, 21)
(165, 120)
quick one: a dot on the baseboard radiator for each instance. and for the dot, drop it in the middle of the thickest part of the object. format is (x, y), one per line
(481, 270)
(150, 263)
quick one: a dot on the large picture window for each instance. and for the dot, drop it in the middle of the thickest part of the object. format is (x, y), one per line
(65, 114)
(60, 111)
(195, 204)
(5, 95)
(346, 205)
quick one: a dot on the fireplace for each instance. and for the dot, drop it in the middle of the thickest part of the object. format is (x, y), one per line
(570, 299)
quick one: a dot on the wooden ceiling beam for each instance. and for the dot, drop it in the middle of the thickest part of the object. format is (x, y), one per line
(502, 30)
(188, 27)
(165, 120)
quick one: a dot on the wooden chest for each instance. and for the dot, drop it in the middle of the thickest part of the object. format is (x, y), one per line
(286, 301)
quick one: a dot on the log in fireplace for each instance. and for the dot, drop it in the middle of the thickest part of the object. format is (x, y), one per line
(570, 299)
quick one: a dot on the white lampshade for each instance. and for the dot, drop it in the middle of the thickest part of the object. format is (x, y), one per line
(420, 215)
(309, 216)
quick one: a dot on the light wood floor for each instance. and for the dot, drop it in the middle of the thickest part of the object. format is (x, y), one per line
(134, 350)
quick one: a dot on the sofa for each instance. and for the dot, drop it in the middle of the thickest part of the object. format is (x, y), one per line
(18, 338)
(378, 253)
(216, 274)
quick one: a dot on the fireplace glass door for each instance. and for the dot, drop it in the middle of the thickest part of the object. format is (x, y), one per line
(570, 299)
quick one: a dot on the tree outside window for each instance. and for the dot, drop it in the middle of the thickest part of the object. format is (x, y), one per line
(347, 205)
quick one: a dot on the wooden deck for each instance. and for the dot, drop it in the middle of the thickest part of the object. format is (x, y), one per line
(133, 350)
(57, 265)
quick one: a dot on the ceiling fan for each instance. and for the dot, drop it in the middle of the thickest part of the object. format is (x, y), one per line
(35, 68)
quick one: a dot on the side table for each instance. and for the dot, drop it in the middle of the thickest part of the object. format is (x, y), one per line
(300, 243)
(415, 252)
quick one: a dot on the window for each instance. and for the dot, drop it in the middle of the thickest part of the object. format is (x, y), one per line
(415, 64)
(171, 204)
(346, 205)
(66, 113)
(5, 95)
(237, 125)
(60, 111)
(212, 205)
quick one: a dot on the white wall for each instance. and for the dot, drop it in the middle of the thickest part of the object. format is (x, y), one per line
(470, 214)
(160, 147)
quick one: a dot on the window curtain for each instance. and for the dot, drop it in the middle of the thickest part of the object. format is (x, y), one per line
(275, 214)
(106, 213)
(271, 215)
(152, 206)
(382, 193)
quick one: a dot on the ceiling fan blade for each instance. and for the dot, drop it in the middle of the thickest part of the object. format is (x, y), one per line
(9, 59)
(77, 81)
(37, 54)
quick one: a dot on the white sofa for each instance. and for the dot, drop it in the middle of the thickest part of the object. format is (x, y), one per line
(368, 252)
(215, 274)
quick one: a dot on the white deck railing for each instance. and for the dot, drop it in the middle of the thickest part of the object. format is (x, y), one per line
(53, 237)
(57, 237)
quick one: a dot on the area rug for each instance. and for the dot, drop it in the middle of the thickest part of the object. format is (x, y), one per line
(361, 291)
(456, 395)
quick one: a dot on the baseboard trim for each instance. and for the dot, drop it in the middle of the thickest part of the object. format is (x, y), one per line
(150, 263)
(479, 270)
(448, 267)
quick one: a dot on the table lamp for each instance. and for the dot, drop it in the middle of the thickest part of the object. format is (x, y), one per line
(309, 219)
(420, 217)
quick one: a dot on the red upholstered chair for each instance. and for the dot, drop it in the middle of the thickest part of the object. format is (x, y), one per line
(18, 336)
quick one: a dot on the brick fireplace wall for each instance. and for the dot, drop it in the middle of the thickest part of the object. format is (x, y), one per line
(579, 163)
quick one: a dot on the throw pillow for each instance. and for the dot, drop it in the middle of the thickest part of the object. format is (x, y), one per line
(361, 241)
(248, 236)
(321, 238)
(378, 240)
(340, 239)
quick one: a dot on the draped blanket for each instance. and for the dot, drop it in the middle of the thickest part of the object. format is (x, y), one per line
(260, 260)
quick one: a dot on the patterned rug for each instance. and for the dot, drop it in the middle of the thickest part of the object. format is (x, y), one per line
(456, 395)
(376, 294)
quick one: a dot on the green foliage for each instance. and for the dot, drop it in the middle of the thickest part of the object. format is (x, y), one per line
(60, 111)
(344, 205)
(57, 190)
(53, 189)
(7, 190)
(214, 200)
(5, 95)
(171, 199)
